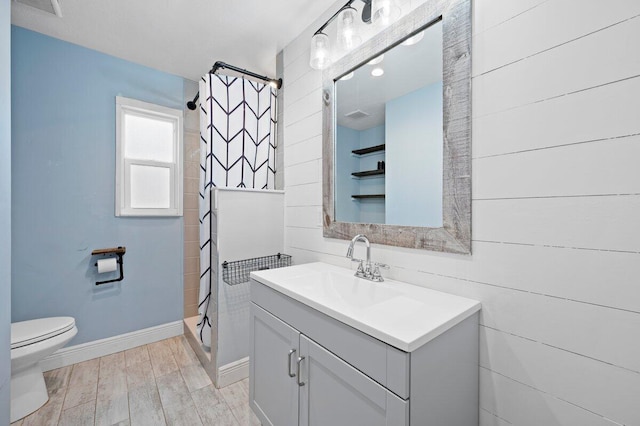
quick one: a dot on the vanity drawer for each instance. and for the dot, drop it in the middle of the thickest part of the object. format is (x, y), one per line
(385, 364)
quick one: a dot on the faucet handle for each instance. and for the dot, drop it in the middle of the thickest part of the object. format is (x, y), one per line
(360, 272)
(381, 265)
(376, 276)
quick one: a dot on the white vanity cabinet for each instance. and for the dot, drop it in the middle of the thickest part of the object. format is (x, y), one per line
(295, 381)
(330, 349)
(274, 349)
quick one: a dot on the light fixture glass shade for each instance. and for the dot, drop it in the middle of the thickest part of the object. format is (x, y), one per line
(348, 37)
(319, 58)
(384, 12)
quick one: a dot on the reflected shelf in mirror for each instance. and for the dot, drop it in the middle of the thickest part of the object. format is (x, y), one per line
(368, 173)
(368, 196)
(369, 150)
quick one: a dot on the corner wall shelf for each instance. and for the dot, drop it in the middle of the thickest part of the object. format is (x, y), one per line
(368, 173)
(368, 196)
(369, 150)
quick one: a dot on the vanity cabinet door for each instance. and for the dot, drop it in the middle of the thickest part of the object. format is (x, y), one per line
(273, 390)
(335, 393)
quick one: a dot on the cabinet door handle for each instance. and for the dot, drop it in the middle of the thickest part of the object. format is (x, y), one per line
(300, 358)
(291, 352)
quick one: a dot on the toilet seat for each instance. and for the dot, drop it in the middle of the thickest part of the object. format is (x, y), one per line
(26, 333)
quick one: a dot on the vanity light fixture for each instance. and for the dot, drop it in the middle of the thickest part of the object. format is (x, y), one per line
(377, 72)
(386, 11)
(320, 51)
(348, 37)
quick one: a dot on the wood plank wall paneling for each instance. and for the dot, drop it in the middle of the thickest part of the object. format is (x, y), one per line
(601, 113)
(560, 71)
(564, 21)
(556, 189)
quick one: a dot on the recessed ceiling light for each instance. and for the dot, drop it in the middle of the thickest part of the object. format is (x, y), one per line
(413, 39)
(347, 76)
(376, 60)
(377, 72)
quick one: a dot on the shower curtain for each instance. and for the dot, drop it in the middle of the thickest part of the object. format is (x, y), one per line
(237, 149)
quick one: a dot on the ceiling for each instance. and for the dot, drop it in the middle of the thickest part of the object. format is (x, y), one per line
(182, 37)
(406, 68)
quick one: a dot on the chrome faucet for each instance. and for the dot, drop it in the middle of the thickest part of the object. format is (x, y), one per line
(365, 240)
(364, 269)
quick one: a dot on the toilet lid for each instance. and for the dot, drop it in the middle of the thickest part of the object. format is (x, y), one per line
(28, 332)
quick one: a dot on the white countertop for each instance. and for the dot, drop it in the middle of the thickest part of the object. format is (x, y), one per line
(403, 315)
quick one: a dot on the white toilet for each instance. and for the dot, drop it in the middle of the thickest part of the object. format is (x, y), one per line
(31, 342)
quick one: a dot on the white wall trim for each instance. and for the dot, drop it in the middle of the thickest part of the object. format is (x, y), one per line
(90, 350)
(233, 372)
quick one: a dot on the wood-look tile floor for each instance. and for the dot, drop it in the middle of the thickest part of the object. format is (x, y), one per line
(161, 383)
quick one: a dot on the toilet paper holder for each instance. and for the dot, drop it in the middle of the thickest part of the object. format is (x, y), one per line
(118, 251)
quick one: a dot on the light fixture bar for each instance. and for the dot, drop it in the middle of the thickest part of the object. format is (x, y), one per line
(347, 4)
(320, 49)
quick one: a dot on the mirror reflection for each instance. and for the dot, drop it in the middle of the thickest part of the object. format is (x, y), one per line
(389, 142)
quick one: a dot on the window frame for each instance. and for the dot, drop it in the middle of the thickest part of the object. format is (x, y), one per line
(123, 165)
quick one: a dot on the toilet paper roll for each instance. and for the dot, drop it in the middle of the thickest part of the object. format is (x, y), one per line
(107, 265)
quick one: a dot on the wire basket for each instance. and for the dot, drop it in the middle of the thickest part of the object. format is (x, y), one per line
(237, 272)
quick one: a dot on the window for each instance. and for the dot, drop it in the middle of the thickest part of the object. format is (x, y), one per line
(148, 159)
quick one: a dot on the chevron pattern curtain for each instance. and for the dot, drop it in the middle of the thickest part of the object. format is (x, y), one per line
(237, 149)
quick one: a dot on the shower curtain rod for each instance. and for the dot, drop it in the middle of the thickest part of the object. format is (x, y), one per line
(223, 65)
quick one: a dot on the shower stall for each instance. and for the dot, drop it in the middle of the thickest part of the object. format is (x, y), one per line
(241, 215)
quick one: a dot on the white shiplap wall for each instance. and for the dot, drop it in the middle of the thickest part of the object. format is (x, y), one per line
(556, 207)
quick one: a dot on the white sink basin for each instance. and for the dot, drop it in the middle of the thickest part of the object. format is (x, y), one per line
(403, 315)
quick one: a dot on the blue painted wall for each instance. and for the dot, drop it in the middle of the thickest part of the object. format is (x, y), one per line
(63, 158)
(414, 158)
(5, 209)
(372, 210)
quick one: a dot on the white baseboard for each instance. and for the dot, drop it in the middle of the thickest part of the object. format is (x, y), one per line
(233, 372)
(97, 348)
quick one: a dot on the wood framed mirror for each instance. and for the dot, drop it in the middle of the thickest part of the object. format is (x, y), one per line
(404, 138)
